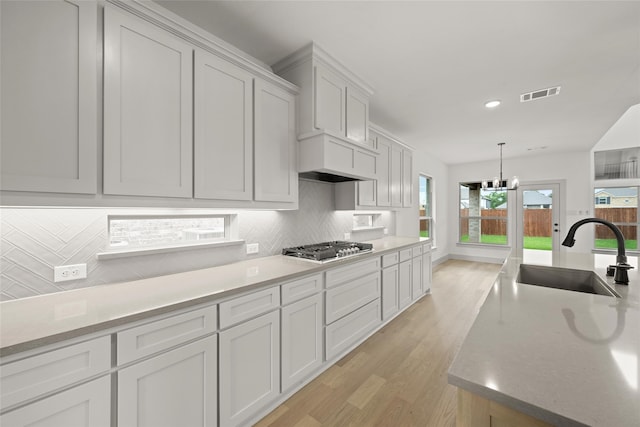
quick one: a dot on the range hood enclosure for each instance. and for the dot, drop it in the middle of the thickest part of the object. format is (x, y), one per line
(326, 157)
(333, 117)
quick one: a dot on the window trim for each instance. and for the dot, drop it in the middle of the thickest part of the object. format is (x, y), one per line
(431, 203)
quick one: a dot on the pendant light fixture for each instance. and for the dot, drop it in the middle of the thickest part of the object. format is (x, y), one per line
(498, 183)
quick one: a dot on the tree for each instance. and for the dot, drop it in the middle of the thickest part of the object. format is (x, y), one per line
(495, 199)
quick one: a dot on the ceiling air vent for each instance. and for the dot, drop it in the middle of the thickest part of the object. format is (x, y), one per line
(538, 94)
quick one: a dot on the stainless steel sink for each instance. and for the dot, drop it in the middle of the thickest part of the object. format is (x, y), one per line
(564, 278)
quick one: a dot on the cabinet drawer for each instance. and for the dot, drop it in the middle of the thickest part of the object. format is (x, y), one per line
(390, 259)
(426, 248)
(31, 377)
(248, 306)
(342, 334)
(406, 254)
(162, 334)
(344, 299)
(349, 272)
(299, 289)
(416, 251)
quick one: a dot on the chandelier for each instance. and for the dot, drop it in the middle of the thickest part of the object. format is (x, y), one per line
(498, 183)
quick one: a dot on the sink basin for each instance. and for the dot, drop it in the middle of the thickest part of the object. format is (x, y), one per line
(564, 278)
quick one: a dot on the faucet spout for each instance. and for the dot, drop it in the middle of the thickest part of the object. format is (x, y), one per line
(621, 259)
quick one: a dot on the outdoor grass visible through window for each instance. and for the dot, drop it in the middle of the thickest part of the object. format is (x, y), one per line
(483, 215)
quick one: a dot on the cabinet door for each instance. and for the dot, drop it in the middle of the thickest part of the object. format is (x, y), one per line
(366, 193)
(396, 176)
(404, 284)
(389, 291)
(49, 96)
(87, 405)
(177, 388)
(426, 271)
(301, 339)
(276, 176)
(383, 183)
(249, 368)
(223, 126)
(357, 120)
(147, 109)
(416, 280)
(330, 99)
(407, 178)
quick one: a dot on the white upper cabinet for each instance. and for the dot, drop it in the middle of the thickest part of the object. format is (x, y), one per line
(332, 98)
(383, 183)
(148, 118)
(49, 96)
(330, 101)
(357, 120)
(407, 178)
(395, 176)
(276, 176)
(223, 123)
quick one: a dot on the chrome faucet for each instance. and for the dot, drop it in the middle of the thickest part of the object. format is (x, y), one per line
(621, 267)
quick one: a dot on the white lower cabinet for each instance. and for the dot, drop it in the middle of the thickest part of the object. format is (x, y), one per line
(87, 405)
(249, 368)
(426, 268)
(301, 339)
(390, 283)
(416, 278)
(343, 333)
(404, 284)
(177, 388)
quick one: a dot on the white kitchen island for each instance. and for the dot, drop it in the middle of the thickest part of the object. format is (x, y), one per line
(563, 357)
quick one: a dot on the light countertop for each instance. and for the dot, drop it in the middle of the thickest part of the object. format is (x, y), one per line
(568, 358)
(33, 322)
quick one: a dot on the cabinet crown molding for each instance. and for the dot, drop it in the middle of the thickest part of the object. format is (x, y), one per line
(314, 52)
(381, 131)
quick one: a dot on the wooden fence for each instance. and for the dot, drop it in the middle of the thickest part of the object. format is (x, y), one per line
(537, 222)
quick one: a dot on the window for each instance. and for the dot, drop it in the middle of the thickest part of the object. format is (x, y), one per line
(143, 231)
(483, 215)
(620, 208)
(426, 206)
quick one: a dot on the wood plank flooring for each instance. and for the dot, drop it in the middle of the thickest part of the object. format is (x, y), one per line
(398, 377)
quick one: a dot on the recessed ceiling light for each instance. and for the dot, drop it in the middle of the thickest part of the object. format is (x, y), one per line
(492, 104)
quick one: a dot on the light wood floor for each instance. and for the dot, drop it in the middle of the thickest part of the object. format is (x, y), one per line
(398, 377)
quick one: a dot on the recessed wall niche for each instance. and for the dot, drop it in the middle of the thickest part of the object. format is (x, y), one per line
(617, 164)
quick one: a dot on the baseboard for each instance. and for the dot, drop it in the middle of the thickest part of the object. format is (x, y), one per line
(440, 260)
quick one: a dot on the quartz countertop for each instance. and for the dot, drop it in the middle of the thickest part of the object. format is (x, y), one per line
(567, 358)
(33, 322)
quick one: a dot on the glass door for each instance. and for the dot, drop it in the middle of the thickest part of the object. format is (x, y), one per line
(538, 223)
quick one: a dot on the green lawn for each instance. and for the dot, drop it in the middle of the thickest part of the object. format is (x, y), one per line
(424, 233)
(544, 243)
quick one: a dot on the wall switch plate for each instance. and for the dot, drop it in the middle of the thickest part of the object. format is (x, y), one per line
(253, 248)
(347, 236)
(64, 273)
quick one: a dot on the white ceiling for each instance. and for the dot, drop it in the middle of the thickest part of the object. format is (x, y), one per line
(433, 64)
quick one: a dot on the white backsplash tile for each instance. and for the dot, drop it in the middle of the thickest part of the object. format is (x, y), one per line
(35, 240)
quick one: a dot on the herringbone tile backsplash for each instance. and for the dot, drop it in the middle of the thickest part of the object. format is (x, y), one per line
(33, 241)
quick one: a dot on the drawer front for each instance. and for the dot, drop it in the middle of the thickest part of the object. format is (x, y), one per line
(162, 334)
(248, 306)
(342, 334)
(299, 289)
(344, 299)
(426, 248)
(406, 254)
(390, 259)
(31, 377)
(337, 276)
(416, 251)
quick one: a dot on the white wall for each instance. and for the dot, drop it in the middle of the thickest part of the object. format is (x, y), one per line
(571, 167)
(625, 133)
(407, 223)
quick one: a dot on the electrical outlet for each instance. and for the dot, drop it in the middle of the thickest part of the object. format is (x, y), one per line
(385, 231)
(252, 248)
(347, 236)
(64, 273)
